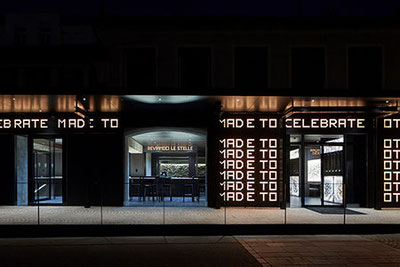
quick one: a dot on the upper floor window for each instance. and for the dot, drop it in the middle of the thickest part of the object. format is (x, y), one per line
(44, 36)
(141, 67)
(20, 36)
(251, 67)
(365, 67)
(194, 67)
(308, 67)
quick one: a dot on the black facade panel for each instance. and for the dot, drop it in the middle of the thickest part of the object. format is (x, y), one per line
(308, 67)
(95, 169)
(251, 67)
(7, 178)
(365, 68)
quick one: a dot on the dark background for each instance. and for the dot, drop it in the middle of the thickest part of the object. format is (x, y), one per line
(208, 7)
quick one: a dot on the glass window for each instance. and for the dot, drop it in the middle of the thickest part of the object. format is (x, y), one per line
(20, 36)
(45, 36)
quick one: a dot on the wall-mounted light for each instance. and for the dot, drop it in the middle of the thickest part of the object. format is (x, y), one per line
(80, 113)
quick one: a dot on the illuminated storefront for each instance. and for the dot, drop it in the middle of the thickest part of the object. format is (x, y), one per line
(279, 157)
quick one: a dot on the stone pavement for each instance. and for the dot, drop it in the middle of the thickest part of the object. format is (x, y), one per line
(11, 215)
(328, 250)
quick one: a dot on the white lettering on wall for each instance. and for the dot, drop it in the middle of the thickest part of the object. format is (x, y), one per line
(323, 123)
(24, 123)
(60, 123)
(242, 181)
(391, 168)
(249, 123)
(391, 123)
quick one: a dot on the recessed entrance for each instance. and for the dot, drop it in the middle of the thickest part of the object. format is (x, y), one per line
(166, 167)
(316, 170)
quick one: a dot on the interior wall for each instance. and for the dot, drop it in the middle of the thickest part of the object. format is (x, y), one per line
(137, 164)
(148, 164)
(155, 160)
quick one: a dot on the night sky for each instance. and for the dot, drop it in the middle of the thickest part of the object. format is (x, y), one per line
(206, 7)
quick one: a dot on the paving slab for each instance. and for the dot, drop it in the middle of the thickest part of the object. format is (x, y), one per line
(324, 250)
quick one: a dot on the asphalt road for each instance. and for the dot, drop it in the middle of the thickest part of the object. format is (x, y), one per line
(125, 251)
(274, 250)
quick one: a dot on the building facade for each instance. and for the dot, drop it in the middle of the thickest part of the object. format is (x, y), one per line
(199, 121)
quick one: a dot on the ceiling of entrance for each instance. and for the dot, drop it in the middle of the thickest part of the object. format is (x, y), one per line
(165, 99)
(169, 137)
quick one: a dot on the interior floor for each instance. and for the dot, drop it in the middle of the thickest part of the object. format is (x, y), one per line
(295, 202)
(55, 200)
(167, 202)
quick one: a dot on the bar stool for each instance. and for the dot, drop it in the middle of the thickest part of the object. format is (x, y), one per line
(149, 187)
(192, 188)
(165, 183)
(135, 187)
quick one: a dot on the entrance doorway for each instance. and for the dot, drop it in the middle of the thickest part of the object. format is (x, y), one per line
(316, 170)
(46, 170)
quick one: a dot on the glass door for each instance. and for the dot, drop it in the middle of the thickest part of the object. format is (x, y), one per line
(294, 177)
(47, 171)
(316, 170)
(312, 176)
(332, 172)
